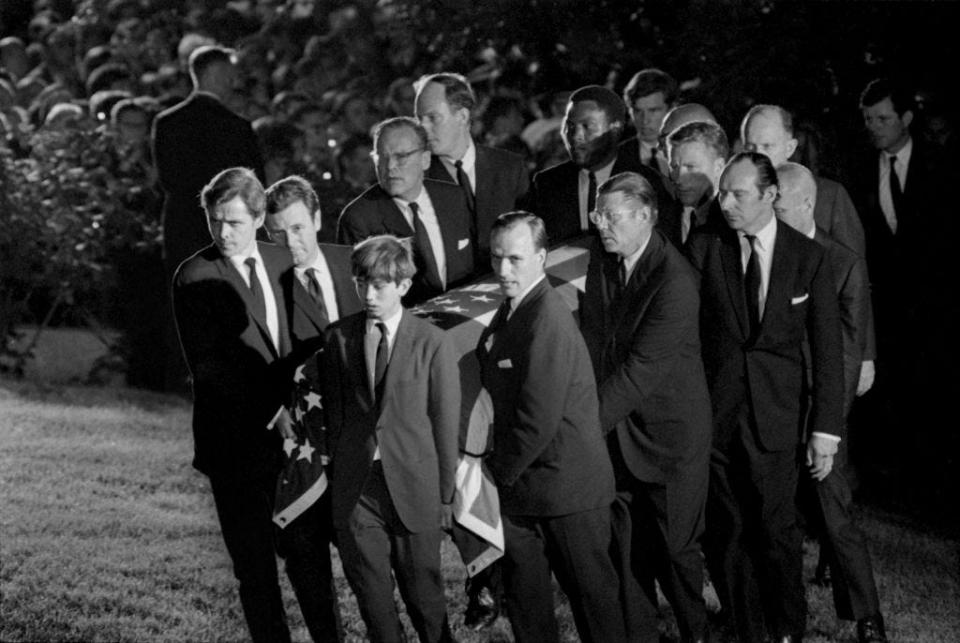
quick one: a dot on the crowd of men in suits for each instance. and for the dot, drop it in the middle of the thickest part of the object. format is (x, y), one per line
(727, 325)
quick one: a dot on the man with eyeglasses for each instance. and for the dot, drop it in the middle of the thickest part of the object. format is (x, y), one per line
(432, 213)
(640, 320)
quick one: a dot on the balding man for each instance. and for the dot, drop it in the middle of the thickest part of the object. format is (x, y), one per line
(493, 180)
(682, 115)
(842, 543)
(697, 152)
(768, 129)
(564, 195)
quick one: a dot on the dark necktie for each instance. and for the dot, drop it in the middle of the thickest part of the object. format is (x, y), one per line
(652, 160)
(751, 284)
(256, 290)
(424, 248)
(383, 358)
(591, 197)
(313, 287)
(464, 182)
(896, 190)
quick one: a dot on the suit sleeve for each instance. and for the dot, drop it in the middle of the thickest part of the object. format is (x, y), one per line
(657, 342)
(854, 302)
(823, 330)
(846, 227)
(348, 232)
(544, 379)
(444, 410)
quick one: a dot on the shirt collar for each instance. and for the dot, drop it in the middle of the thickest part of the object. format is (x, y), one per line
(904, 153)
(519, 298)
(405, 205)
(602, 173)
(392, 323)
(765, 235)
(237, 260)
(319, 264)
(630, 261)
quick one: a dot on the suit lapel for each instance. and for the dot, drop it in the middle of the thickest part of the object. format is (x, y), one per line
(732, 266)
(230, 274)
(303, 301)
(782, 265)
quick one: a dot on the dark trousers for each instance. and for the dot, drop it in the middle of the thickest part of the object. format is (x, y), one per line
(828, 504)
(245, 510)
(754, 546)
(656, 534)
(305, 546)
(576, 547)
(376, 541)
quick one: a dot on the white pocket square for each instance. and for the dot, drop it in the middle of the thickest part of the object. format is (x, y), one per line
(463, 243)
(505, 363)
(799, 300)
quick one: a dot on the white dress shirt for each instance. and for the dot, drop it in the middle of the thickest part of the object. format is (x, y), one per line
(602, 175)
(886, 197)
(763, 246)
(429, 217)
(273, 321)
(468, 163)
(326, 284)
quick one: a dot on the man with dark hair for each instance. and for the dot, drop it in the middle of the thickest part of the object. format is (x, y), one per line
(405, 204)
(192, 142)
(493, 180)
(765, 292)
(232, 323)
(649, 95)
(564, 195)
(391, 396)
(697, 152)
(551, 468)
(639, 318)
(842, 544)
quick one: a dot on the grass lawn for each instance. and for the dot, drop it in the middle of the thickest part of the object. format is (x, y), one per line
(107, 534)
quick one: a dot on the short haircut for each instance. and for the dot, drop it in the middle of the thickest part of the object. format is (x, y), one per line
(127, 105)
(457, 90)
(651, 81)
(383, 257)
(608, 101)
(876, 90)
(205, 56)
(710, 134)
(232, 183)
(633, 186)
(786, 118)
(766, 173)
(508, 220)
(289, 190)
(399, 122)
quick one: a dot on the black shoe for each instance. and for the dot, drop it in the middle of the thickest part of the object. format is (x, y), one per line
(871, 630)
(482, 610)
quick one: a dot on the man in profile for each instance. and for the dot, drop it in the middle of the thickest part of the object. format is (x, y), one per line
(433, 213)
(232, 322)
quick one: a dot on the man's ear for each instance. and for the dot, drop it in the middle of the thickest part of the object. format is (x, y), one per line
(791, 147)
(404, 286)
(907, 118)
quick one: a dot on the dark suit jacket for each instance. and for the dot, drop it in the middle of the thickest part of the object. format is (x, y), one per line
(239, 378)
(548, 456)
(556, 195)
(192, 142)
(835, 213)
(502, 184)
(768, 369)
(306, 322)
(416, 424)
(374, 212)
(856, 316)
(646, 352)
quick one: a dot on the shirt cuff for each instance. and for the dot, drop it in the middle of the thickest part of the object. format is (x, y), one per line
(829, 436)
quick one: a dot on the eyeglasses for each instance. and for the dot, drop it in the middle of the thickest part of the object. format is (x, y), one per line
(402, 158)
(605, 217)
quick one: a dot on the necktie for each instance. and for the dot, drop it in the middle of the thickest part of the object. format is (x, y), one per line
(464, 182)
(313, 287)
(591, 197)
(652, 161)
(896, 190)
(751, 283)
(383, 358)
(256, 289)
(424, 248)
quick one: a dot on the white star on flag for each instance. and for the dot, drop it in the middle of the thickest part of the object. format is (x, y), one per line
(482, 298)
(298, 375)
(443, 302)
(454, 309)
(288, 446)
(313, 400)
(306, 451)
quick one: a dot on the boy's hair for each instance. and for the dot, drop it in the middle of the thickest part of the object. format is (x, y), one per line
(383, 257)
